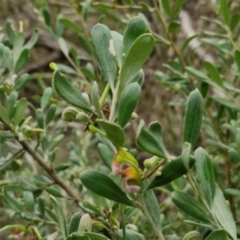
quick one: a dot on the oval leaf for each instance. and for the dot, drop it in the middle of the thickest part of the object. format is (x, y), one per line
(104, 186)
(217, 234)
(127, 102)
(137, 55)
(20, 111)
(101, 37)
(69, 93)
(189, 206)
(22, 60)
(193, 117)
(74, 222)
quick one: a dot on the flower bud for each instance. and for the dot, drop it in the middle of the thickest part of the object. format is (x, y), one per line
(69, 114)
(82, 117)
(85, 95)
(85, 224)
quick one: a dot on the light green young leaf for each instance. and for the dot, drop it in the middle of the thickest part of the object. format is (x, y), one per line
(135, 27)
(186, 150)
(11, 34)
(205, 174)
(20, 111)
(4, 115)
(59, 215)
(224, 11)
(74, 223)
(32, 41)
(193, 117)
(118, 46)
(102, 39)
(186, 43)
(12, 203)
(127, 102)
(11, 101)
(21, 82)
(69, 93)
(196, 73)
(137, 55)
(18, 46)
(223, 214)
(104, 186)
(86, 236)
(95, 98)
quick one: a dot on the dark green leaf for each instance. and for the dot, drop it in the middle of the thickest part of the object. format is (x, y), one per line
(193, 117)
(114, 132)
(11, 101)
(21, 82)
(130, 235)
(205, 174)
(196, 73)
(235, 18)
(32, 41)
(22, 60)
(4, 115)
(50, 114)
(127, 102)
(53, 191)
(224, 11)
(186, 43)
(41, 206)
(28, 200)
(101, 37)
(135, 27)
(74, 223)
(189, 206)
(170, 172)
(137, 55)
(237, 58)
(20, 111)
(46, 16)
(104, 186)
(223, 214)
(212, 71)
(173, 26)
(11, 34)
(166, 7)
(129, 2)
(69, 93)
(71, 25)
(147, 142)
(217, 235)
(59, 215)
(12, 203)
(40, 117)
(227, 103)
(106, 154)
(84, 43)
(151, 204)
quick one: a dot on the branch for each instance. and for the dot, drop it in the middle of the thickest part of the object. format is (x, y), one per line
(51, 172)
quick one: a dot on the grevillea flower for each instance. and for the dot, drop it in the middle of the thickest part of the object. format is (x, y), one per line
(126, 165)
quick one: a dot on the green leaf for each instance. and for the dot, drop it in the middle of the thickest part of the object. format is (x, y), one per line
(20, 111)
(22, 60)
(173, 26)
(155, 129)
(104, 186)
(193, 235)
(212, 71)
(205, 174)
(106, 154)
(186, 150)
(101, 37)
(45, 99)
(86, 236)
(196, 73)
(46, 16)
(114, 132)
(32, 41)
(59, 215)
(71, 25)
(177, 7)
(135, 27)
(129, 2)
(21, 81)
(166, 7)
(224, 11)
(151, 204)
(40, 117)
(84, 43)
(237, 58)
(226, 103)
(147, 142)
(53, 191)
(18, 46)
(217, 235)
(170, 172)
(11, 101)
(69, 93)
(223, 214)
(193, 117)
(137, 55)
(11, 34)
(188, 40)
(12, 203)
(130, 235)
(41, 206)
(95, 98)
(74, 223)
(28, 200)
(232, 192)
(4, 115)
(189, 206)
(127, 102)
(50, 114)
